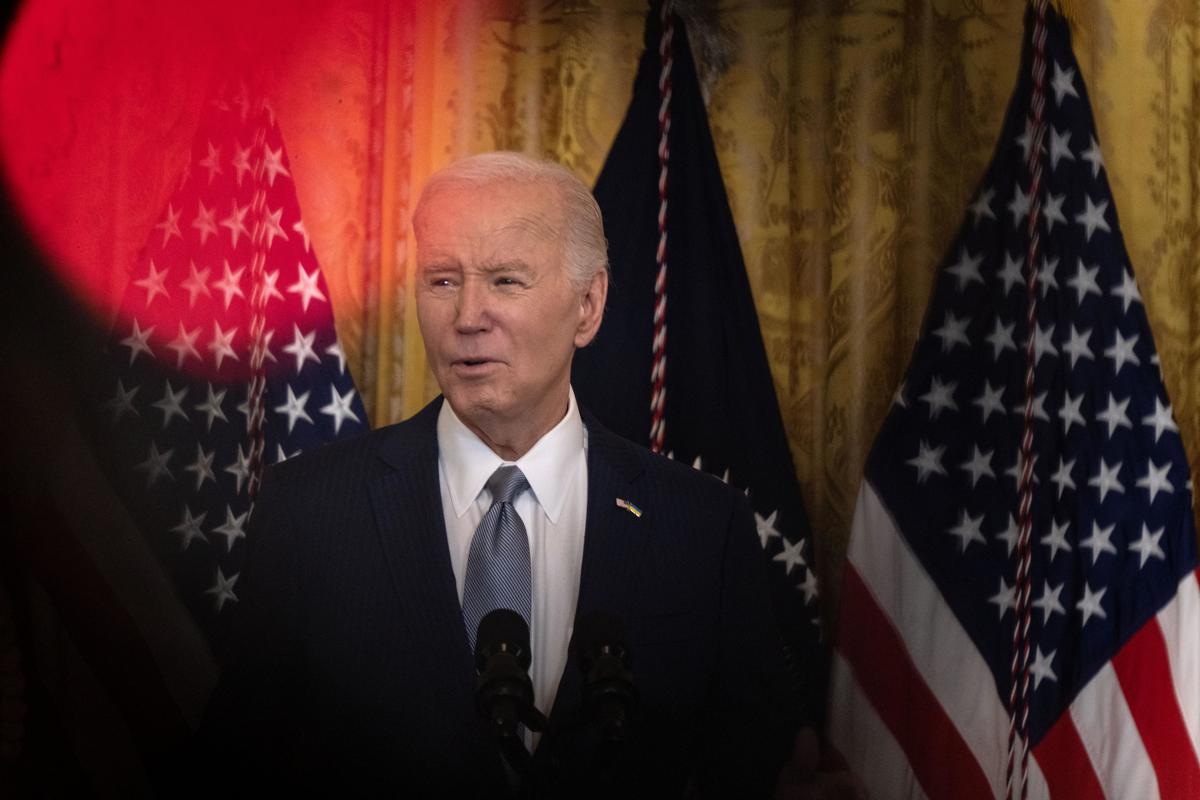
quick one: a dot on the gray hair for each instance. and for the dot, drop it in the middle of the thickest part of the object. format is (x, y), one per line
(585, 250)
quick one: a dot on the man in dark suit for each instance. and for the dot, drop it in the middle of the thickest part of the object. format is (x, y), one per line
(371, 561)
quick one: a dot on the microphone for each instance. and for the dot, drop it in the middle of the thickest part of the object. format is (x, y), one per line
(609, 694)
(503, 689)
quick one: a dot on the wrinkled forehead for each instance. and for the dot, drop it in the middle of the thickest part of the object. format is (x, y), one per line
(531, 207)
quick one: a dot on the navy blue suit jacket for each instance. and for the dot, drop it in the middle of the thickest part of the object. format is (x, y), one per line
(348, 666)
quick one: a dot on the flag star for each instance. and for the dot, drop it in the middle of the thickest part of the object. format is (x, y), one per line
(1077, 345)
(966, 269)
(1100, 541)
(212, 162)
(1106, 479)
(266, 290)
(1009, 534)
(241, 161)
(1045, 276)
(697, 464)
(339, 409)
(273, 164)
(299, 228)
(1056, 539)
(1049, 603)
(1122, 351)
(928, 461)
(138, 342)
(232, 527)
(1019, 205)
(1043, 343)
(196, 283)
(262, 349)
(154, 283)
(952, 332)
(1148, 546)
(791, 555)
(940, 397)
(1114, 416)
(982, 207)
(766, 528)
(898, 398)
(230, 284)
(1025, 142)
(294, 408)
(204, 222)
(170, 225)
(1092, 218)
(1071, 413)
(221, 345)
(1005, 599)
(968, 530)
(171, 404)
(1062, 477)
(306, 286)
(724, 475)
(1127, 291)
(979, 465)
(121, 403)
(1014, 471)
(184, 345)
(1001, 339)
(1041, 668)
(990, 400)
(1155, 480)
(1161, 420)
(281, 455)
(1038, 409)
(222, 589)
(189, 527)
(202, 467)
(335, 350)
(1063, 83)
(808, 586)
(240, 468)
(1060, 146)
(1092, 156)
(155, 465)
(1084, 282)
(272, 229)
(211, 407)
(1090, 604)
(302, 347)
(1013, 273)
(236, 222)
(1052, 210)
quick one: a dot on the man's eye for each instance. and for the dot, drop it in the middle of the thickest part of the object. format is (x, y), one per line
(504, 280)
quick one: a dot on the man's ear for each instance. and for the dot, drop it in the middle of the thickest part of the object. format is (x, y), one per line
(591, 308)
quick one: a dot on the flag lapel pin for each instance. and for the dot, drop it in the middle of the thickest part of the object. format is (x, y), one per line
(628, 506)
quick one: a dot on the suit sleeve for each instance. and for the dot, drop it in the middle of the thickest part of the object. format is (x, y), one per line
(755, 717)
(247, 734)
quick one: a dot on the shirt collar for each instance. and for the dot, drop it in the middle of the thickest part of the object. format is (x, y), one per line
(468, 463)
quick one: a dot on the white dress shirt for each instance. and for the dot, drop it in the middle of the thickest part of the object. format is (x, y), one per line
(554, 512)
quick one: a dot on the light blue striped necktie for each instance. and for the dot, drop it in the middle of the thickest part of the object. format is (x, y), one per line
(498, 564)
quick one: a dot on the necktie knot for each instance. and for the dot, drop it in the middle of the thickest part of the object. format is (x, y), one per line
(506, 483)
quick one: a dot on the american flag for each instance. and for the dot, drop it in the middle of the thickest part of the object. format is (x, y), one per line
(225, 354)
(920, 702)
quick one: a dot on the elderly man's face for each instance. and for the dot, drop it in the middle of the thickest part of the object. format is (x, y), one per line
(499, 316)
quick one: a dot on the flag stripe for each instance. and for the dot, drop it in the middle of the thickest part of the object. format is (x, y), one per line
(1179, 626)
(871, 751)
(1107, 731)
(1065, 763)
(1144, 673)
(937, 644)
(941, 760)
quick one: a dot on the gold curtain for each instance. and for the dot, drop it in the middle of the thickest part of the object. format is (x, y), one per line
(850, 134)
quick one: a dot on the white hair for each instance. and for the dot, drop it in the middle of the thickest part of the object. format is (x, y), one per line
(585, 250)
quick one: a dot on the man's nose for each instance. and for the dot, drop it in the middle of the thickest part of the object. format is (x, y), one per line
(472, 312)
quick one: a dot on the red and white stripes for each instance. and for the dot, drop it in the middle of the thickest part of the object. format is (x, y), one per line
(658, 370)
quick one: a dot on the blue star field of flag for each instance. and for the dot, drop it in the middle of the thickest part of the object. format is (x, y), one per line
(226, 320)
(1113, 526)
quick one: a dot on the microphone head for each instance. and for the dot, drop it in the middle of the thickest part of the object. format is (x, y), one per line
(502, 631)
(599, 633)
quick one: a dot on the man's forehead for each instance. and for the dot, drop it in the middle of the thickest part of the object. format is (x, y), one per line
(498, 208)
